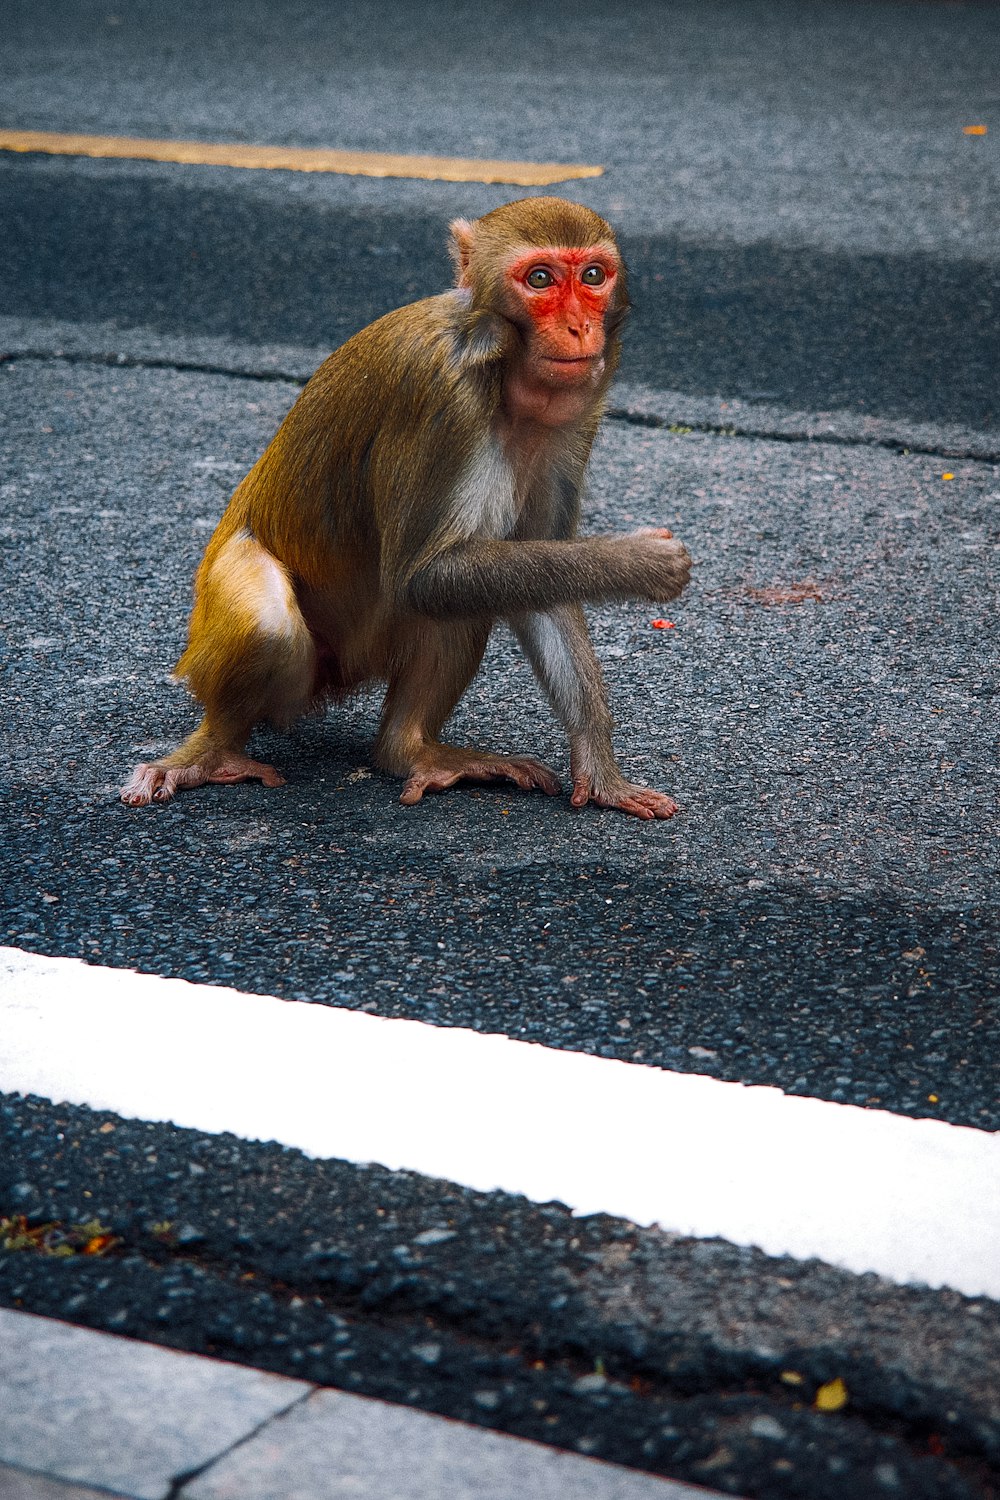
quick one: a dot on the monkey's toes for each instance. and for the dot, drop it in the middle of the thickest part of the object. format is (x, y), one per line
(153, 783)
(530, 774)
(239, 768)
(639, 801)
(523, 770)
(145, 785)
(646, 804)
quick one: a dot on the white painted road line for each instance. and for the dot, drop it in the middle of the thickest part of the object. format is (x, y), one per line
(913, 1200)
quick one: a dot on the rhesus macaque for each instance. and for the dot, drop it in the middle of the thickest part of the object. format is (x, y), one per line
(426, 484)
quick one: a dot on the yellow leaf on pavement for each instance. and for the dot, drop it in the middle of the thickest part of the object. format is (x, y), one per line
(832, 1396)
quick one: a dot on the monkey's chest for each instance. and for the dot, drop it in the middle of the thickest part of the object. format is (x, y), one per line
(487, 502)
(499, 487)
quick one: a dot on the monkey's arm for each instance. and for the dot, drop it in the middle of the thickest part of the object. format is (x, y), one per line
(558, 646)
(485, 577)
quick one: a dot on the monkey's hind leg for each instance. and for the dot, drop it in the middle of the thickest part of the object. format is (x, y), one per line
(423, 689)
(250, 656)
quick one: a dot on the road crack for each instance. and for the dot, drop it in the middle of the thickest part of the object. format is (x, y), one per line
(675, 423)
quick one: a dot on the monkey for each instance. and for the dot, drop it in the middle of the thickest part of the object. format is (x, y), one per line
(425, 485)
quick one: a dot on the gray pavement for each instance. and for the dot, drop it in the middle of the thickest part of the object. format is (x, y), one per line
(821, 916)
(823, 710)
(230, 254)
(83, 1413)
(834, 127)
(815, 253)
(805, 219)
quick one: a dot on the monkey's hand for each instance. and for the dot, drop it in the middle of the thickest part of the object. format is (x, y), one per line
(663, 564)
(640, 801)
(441, 766)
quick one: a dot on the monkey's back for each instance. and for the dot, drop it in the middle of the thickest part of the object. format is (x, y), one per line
(368, 455)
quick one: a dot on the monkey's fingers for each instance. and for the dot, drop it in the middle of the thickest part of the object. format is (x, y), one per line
(663, 531)
(639, 801)
(666, 565)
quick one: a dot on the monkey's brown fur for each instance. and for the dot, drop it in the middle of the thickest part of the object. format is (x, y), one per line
(425, 484)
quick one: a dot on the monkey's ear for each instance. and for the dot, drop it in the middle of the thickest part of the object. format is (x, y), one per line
(481, 338)
(486, 339)
(463, 241)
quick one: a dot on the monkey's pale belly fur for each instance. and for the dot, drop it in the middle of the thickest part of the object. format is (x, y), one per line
(426, 484)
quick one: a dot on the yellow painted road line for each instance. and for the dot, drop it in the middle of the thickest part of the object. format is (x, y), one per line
(296, 158)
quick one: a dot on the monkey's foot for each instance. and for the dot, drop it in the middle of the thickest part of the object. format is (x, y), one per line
(442, 766)
(640, 801)
(151, 782)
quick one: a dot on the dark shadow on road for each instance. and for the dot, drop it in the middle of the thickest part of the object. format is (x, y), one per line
(912, 337)
(861, 998)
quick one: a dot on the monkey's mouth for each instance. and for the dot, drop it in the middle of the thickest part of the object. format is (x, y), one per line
(570, 366)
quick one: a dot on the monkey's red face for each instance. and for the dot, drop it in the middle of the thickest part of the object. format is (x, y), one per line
(559, 298)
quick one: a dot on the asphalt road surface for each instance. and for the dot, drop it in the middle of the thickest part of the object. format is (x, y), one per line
(808, 399)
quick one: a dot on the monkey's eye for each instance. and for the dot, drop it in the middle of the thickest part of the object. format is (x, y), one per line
(540, 278)
(593, 276)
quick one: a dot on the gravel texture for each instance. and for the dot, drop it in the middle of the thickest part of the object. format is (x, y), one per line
(821, 915)
(689, 1358)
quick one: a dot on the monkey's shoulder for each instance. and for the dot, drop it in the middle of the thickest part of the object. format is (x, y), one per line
(422, 324)
(421, 354)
